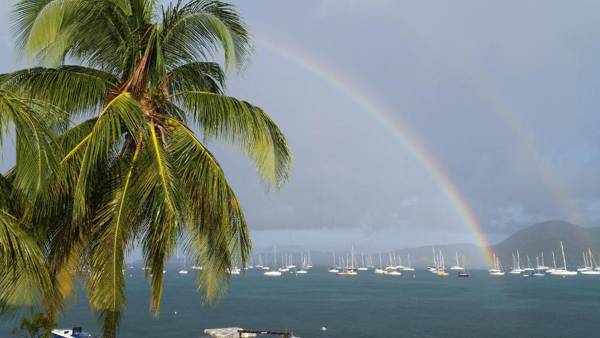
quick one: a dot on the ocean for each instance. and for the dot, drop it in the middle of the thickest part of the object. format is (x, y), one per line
(415, 304)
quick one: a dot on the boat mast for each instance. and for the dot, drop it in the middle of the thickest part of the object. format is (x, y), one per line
(562, 249)
(542, 258)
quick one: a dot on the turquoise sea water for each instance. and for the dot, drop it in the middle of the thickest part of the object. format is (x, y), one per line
(368, 305)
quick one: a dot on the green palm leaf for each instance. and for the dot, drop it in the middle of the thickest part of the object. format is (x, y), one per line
(238, 122)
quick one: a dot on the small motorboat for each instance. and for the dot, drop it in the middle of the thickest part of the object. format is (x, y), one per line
(75, 332)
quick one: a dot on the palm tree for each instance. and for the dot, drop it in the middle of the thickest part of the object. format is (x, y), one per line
(132, 172)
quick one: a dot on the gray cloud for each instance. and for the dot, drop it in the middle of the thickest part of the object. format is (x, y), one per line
(502, 94)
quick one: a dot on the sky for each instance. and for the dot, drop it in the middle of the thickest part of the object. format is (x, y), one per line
(500, 96)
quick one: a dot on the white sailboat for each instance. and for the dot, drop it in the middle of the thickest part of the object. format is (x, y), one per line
(528, 268)
(553, 268)
(495, 267)
(592, 269)
(409, 267)
(349, 270)
(399, 266)
(516, 270)
(304, 268)
(457, 267)
(541, 266)
(497, 270)
(379, 270)
(563, 272)
(362, 266)
(273, 273)
(333, 268)
(390, 270)
(538, 272)
(433, 268)
(183, 270)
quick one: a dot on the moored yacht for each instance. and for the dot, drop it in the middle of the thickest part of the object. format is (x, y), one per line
(457, 267)
(409, 267)
(333, 268)
(563, 272)
(463, 273)
(590, 261)
(183, 270)
(497, 269)
(274, 272)
(516, 270)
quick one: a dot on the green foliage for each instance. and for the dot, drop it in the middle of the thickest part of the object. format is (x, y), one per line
(84, 192)
(35, 326)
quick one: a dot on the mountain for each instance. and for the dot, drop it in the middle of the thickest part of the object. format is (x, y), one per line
(532, 241)
(546, 237)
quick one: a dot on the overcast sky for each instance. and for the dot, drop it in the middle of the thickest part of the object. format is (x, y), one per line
(503, 95)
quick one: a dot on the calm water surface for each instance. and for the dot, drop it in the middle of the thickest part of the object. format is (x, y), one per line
(368, 305)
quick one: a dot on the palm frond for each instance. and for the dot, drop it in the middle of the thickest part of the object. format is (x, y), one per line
(115, 225)
(218, 234)
(196, 30)
(196, 76)
(240, 123)
(35, 146)
(108, 129)
(74, 89)
(23, 273)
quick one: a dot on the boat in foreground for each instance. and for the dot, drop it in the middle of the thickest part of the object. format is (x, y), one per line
(75, 332)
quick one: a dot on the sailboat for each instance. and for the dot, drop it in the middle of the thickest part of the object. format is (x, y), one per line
(390, 270)
(433, 269)
(379, 270)
(441, 269)
(528, 268)
(495, 267)
(585, 266)
(399, 266)
(563, 272)
(539, 272)
(497, 270)
(457, 267)
(541, 266)
(516, 270)
(304, 268)
(274, 273)
(333, 268)
(409, 267)
(362, 266)
(463, 273)
(592, 270)
(183, 270)
(554, 268)
(349, 270)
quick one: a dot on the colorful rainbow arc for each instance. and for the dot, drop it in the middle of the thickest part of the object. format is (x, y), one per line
(387, 119)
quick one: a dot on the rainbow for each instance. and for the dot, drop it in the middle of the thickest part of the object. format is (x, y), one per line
(389, 120)
(562, 197)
